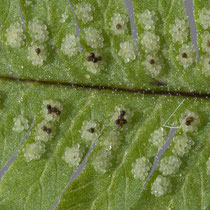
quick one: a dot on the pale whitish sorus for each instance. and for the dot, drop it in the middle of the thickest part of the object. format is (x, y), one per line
(152, 65)
(102, 161)
(204, 18)
(140, 168)
(205, 64)
(64, 17)
(20, 124)
(147, 19)
(189, 121)
(73, 155)
(111, 140)
(70, 45)
(93, 67)
(84, 12)
(93, 37)
(205, 42)
(161, 186)
(44, 131)
(169, 165)
(28, 3)
(38, 31)
(89, 130)
(158, 137)
(119, 24)
(128, 51)
(150, 42)
(182, 145)
(187, 55)
(179, 31)
(15, 36)
(33, 151)
(37, 54)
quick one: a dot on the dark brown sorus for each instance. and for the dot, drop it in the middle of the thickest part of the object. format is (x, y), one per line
(91, 130)
(118, 26)
(38, 51)
(184, 55)
(189, 120)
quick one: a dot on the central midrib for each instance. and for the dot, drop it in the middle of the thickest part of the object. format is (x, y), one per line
(110, 88)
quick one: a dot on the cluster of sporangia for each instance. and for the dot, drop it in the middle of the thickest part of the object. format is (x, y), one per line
(150, 42)
(93, 58)
(37, 52)
(44, 131)
(204, 21)
(169, 165)
(187, 55)
(121, 120)
(110, 140)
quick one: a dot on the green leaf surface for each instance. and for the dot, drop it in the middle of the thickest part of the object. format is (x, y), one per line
(150, 102)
